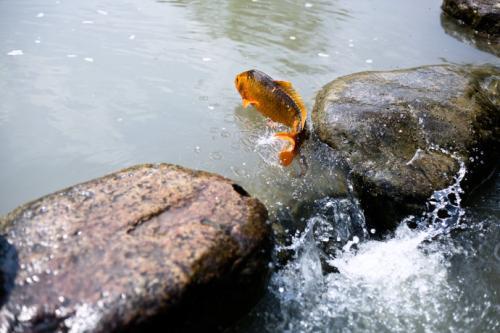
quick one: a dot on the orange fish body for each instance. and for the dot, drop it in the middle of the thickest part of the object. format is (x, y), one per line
(278, 101)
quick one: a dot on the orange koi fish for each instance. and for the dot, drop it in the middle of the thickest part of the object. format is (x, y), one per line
(278, 101)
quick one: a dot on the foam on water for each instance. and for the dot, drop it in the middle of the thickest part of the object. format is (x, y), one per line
(399, 284)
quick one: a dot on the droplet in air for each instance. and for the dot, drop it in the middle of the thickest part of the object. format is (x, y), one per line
(308, 5)
(131, 37)
(292, 37)
(88, 59)
(87, 22)
(40, 15)
(369, 61)
(323, 55)
(206, 59)
(15, 52)
(71, 55)
(102, 12)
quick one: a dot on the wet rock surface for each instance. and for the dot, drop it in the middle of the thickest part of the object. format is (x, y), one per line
(153, 247)
(466, 34)
(405, 134)
(481, 15)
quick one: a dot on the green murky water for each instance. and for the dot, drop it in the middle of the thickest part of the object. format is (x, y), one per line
(90, 87)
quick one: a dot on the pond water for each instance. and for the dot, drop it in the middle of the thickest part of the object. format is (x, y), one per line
(91, 87)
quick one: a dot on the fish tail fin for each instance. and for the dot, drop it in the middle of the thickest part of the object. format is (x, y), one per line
(287, 154)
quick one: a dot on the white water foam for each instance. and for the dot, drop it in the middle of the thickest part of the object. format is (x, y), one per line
(396, 285)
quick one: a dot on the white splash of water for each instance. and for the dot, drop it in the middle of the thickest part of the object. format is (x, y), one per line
(398, 284)
(268, 146)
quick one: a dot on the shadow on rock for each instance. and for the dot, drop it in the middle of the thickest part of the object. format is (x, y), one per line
(9, 265)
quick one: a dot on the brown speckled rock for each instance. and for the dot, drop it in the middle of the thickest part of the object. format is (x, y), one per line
(403, 133)
(155, 247)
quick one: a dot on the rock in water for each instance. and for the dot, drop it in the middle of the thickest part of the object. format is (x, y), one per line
(152, 247)
(481, 15)
(403, 133)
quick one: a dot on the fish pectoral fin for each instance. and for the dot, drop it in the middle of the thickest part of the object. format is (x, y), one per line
(247, 102)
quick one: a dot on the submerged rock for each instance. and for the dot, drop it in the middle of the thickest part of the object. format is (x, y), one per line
(481, 15)
(405, 133)
(153, 247)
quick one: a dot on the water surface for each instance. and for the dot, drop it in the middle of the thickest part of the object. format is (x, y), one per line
(91, 87)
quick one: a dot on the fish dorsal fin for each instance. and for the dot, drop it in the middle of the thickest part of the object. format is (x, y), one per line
(284, 84)
(288, 88)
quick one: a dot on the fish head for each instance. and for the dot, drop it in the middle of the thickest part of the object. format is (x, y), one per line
(242, 81)
(246, 80)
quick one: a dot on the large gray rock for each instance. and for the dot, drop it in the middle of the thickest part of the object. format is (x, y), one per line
(153, 247)
(481, 15)
(404, 133)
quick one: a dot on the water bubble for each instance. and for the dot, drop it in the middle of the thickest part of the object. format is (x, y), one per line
(211, 107)
(40, 15)
(88, 59)
(197, 149)
(351, 45)
(87, 22)
(131, 37)
(102, 12)
(215, 156)
(37, 41)
(308, 5)
(71, 55)
(369, 61)
(323, 55)
(206, 59)
(292, 38)
(225, 133)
